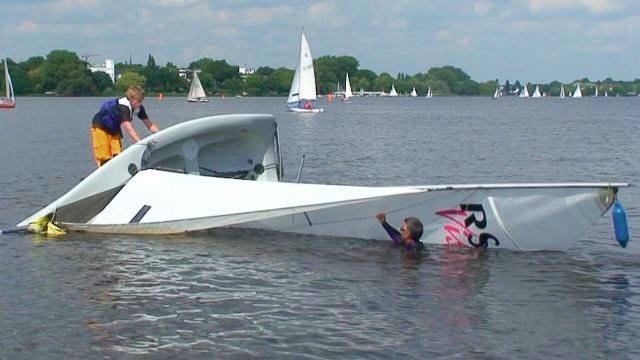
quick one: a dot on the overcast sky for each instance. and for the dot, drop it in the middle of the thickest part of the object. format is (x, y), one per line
(526, 40)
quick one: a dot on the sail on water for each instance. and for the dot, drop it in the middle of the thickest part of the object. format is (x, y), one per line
(9, 101)
(429, 93)
(347, 89)
(196, 92)
(302, 94)
(393, 91)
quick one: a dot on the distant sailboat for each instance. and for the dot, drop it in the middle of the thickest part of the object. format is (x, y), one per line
(606, 94)
(578, 92)
(413, 92)
(561, 92)
(536, 92)
(196, 92)
(429, 93)
(525, 92)
(347, 92)
(8, 102)
(393, 91)
(596, 93)
(496, 94)
(302, 95)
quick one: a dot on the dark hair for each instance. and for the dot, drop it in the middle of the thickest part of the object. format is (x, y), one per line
(414, 226)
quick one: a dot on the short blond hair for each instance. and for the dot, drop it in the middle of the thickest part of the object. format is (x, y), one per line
(135, 92)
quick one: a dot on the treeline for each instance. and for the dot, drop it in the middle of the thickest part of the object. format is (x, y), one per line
(63, 73)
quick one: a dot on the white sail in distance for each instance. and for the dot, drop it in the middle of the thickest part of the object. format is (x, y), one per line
(196, 92)
(303, 86)
(578, 92)
(347, 87)
(393, 91)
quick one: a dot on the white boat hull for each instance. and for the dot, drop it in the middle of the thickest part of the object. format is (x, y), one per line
(224, 171)
(519, 217)
(312, 110)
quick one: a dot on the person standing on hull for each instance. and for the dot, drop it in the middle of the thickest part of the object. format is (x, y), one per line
(409, 234)
(114, 116)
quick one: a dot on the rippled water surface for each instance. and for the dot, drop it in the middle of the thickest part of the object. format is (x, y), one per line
(232, 293)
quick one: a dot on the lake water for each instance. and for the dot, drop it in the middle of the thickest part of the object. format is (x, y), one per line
(254, 294)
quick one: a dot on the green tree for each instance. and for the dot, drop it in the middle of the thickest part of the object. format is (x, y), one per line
(253, 84)
(36, 80)
(265, 71)
(383, 82)
(219, 69)
(65, 73)
(129, 78)
(457, 81)
(278, 83)
(232, 86)
(153, 74)
(487, 87)
(101, 81)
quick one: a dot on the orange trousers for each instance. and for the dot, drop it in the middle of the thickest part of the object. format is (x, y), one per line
(105, 145)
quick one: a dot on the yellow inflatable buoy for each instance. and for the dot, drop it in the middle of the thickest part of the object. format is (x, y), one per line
(54, 230)
(44, 225)
(40, 225)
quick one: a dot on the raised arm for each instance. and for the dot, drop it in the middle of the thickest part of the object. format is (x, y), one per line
(394, 234)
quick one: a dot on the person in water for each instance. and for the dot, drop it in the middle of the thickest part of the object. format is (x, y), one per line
(409, 234)
(115, 115)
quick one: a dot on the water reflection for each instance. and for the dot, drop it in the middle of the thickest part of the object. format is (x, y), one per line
(463, 274)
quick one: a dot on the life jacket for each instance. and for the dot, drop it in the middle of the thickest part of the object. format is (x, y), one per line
(110, 116)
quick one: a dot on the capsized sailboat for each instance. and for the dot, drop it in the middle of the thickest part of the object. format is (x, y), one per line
(302, 95)
(196, 92)
(8, 101)
(227, 171)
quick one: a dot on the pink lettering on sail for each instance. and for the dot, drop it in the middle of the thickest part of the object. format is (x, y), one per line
(457, 232)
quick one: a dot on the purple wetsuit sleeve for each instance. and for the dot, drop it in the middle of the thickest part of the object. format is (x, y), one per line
(394, 234)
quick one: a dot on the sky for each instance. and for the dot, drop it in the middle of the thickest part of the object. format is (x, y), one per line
(526, 40)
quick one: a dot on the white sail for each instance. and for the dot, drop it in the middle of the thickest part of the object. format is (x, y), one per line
(496, 93)
(393, 91)
(347, 87)
(429, 93)
(525, 92)
(413, 92)
(7, 81)
(536, 92)
(596, 94)
(9, 101)
(578, 92)
(303, 86)
(196, 92)
(561, 91)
